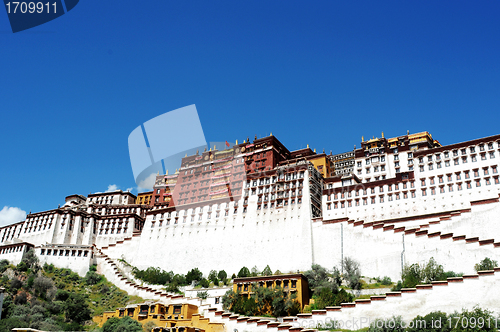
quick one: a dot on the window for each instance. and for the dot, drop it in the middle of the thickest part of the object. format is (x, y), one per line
(472, 149)
(382, 158)
(478, 183)
(476, 173)
(447, 163)
(466, 174)
(431, 167)
(459, 186)
(450, 188)
(396, 164)
(413, 194)
(464, 151)
(441, 189)
(396, 157)
(492, 155)
(490, 146)
(458, 176)
(487, 180)
(438, 165)
(367, 161)
(421, 168)
(432, 181)
(474, 159)
(359, 164)
(494, 169)
(433, 191)
(365, 202)
(429, 158)
(469, 185)
(483, 156)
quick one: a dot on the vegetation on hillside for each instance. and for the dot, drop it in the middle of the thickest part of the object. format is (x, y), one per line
(172, 281)
(54, 299)
(417, 274)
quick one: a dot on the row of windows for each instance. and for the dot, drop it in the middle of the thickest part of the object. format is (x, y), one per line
(11, 249)
(63, 252)
(456, 161)
(412, 194)
(462, 151)
(390, 187)
(281, 177)
(458, 175)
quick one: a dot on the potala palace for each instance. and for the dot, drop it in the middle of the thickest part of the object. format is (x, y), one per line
(389, 202)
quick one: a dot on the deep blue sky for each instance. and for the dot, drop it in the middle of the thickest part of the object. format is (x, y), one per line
(319, 73)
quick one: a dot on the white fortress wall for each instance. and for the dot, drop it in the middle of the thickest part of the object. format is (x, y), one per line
(280, 237)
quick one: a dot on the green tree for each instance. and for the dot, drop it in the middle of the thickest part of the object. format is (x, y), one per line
(351, 273)
(244, 272)
(193, 275)
(204, 283)
(255, 272)
(202, 295)
(412, 276)
(222, 275)
(76, 308)
(267, 271)
(432, 271)
(148, 326)
(212, 276)
(4, 264)
(485, 264)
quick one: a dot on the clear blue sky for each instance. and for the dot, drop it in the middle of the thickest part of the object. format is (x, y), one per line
(322, 73)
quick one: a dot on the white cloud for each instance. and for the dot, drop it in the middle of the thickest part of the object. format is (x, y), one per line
(10, 215)
(112, 187)
(147, 183)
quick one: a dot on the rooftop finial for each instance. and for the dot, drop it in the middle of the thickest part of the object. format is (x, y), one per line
(362, 138)
(382, 134)
(236, 142)
(215, 148)
(197, 152)
(314, 150)
(271, 133)
(166, 172)
(255, 137)
(308, 146)
(205, 149)
(158, 173)
(407, 132)
(323, 150)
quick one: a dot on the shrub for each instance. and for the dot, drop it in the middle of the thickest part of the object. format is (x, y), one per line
(15, 284)
(4, 264)
(202, 295)
(41, 285)
(386, 281)
(124, 324)
(92, 278)
(485, 264)
(434, 321)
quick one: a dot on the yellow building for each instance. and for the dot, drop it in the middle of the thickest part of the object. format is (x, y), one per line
(175, 317)
(323, 164)
(144, 198)
(290, 283)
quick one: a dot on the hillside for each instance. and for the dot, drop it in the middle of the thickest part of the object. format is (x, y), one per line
(55, 299)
